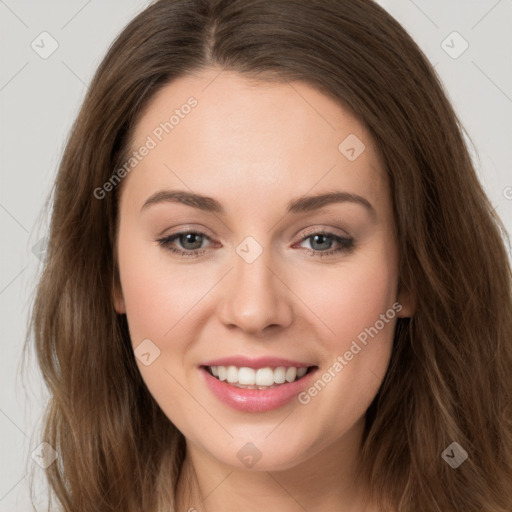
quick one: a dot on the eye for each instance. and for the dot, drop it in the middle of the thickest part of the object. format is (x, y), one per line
(321, 244)
(191, 243)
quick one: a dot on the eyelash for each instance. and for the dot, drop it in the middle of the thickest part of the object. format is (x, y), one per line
(346, 244)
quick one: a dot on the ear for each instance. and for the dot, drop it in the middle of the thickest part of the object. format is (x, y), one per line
(118, 299)
(407, 303)
(117, 295)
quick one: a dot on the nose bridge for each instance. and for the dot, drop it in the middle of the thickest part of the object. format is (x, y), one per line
(256, 298)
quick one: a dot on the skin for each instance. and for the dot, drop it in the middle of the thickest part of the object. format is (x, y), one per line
(255, 146)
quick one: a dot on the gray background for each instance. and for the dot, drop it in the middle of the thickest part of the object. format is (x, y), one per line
(39, 99)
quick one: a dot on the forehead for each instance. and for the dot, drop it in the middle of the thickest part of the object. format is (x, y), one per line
(251, 140)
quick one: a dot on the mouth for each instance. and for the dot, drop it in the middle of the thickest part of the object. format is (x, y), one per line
(267, 377)
(257, 386)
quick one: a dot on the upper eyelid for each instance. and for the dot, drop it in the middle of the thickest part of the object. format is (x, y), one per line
(308, 231)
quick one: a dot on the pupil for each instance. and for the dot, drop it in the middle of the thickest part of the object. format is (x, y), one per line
(315, 237)
(189, 238)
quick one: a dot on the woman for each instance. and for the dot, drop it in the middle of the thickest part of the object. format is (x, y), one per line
(273, 278)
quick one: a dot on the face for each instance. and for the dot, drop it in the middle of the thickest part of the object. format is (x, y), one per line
(238, 273)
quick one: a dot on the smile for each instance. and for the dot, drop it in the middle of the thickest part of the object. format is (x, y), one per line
(257, 386)
(261, 378)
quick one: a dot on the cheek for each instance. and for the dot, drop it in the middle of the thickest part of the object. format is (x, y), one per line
(156, 294)
(356, 303)
(159, 301)
(351, 297)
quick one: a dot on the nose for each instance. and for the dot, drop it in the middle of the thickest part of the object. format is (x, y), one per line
(255, 298)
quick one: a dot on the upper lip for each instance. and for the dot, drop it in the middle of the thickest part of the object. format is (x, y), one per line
(260, 362)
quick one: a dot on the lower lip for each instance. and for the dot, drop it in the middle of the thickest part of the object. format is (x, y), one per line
(256, 400)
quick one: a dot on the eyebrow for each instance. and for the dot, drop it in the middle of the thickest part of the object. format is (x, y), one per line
(299, 205)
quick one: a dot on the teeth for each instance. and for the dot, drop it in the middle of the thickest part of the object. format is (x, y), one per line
(280, 375)
(291, 374)
(232, 374)
(301, 372)
(246, 376)
(262, 377)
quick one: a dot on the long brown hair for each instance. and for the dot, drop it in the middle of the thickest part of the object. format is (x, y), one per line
(450, 376)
